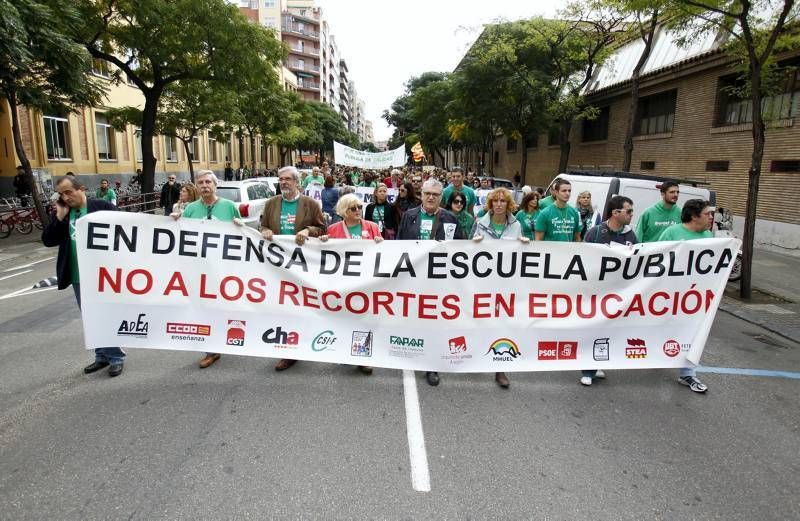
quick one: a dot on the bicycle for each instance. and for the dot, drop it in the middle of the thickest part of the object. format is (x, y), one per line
(21, 219)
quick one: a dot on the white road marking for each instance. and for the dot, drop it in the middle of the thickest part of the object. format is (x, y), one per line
(15, 268)
(22, 292)
(15, 274)
(417, 455)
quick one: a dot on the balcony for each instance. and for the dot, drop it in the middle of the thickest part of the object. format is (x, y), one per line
(305, 51)
(306, 67)
(304, 84)
(295, 29)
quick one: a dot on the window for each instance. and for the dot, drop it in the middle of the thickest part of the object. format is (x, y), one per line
(596, 129)
(56, 135)
(100, 68)
(647, 165)
(106, 138)
(656, 114)
(736, 109)
(270, 22)
(228, 150)
(269, 4)
(137, 143)
(171, 149)
(511, 145)
(194, 149)
(785, 166)
(212, 149)
(717, 166)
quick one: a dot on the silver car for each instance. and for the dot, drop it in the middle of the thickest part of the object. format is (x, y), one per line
(250, 195)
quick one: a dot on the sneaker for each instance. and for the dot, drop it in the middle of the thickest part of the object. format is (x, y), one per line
(586, 380)
(600, 374)
(693, 383)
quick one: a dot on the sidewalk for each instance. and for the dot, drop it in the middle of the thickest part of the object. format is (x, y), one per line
(775, 305)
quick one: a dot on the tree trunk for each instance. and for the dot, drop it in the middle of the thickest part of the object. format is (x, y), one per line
(189, 157)
(523, 166)
(441, 158)
(241, 147)
(23, 160)
(148, 156)
(565, 145)
(253, 152)
(634, 101)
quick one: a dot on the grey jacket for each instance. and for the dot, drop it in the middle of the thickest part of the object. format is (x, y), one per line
(483, 226)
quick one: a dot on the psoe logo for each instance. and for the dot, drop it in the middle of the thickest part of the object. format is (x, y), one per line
(361, 344)
(672, 348)
(280, 338)
(406, 342)
(235, 335)
(551, 350)
(636, 348)
(323, 341)
(504, 350)
(180, 328)
(135, 328)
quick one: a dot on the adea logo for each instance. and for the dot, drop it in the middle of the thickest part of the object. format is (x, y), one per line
(552, 350)
(236, 330)
(636, 348)
(406, 342)
(672, 348)
(457, 345)
(361, 344)
(135, 328)
(323, 341)
(281, 338)
(180, 328)
(504, 350)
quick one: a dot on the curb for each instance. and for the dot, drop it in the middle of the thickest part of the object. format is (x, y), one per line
(780, 331)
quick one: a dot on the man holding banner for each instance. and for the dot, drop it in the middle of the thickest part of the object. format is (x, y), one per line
(291, 213)
(430, 222)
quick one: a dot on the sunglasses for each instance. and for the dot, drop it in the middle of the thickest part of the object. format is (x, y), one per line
(458, 201)
(354, 208)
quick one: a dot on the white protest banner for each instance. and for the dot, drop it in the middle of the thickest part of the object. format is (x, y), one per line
(458, 306)
(344, 155)
(364, 193)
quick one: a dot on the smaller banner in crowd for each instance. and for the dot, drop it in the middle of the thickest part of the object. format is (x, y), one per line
(454, 306)
(364, 193)
(417, 152)
(344, 155)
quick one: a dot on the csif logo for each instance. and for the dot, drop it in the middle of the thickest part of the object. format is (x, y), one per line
(637, 348)
(281, 338)
(323, 341)
(134, 328)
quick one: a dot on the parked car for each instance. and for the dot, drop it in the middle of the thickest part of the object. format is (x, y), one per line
(251, 195)
(498, 182)
(272, 183)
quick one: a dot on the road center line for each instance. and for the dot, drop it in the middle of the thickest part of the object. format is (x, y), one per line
(15, 268)
(15, 274)
(749, 372)
(417, 455)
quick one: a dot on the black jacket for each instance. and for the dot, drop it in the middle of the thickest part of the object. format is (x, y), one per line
(409, 225)
(57, 234)
(389, 215)
(170, 195)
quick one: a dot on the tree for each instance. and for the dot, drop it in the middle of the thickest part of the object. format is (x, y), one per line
(757, 32)
(41, 67)
(324, 126)
(401, 115)
(156, 43)
(429, 111)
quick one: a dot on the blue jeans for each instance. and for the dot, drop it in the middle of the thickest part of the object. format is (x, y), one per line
(589, 372)
(112, 355)
(687, 371)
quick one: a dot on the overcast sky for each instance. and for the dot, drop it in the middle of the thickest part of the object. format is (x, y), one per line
(386, 42)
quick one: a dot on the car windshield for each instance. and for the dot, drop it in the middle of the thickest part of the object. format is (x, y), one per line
(231, 193)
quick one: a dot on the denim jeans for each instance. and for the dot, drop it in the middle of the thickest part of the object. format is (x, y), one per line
(687, 371)
(112, 355)
(589, 372)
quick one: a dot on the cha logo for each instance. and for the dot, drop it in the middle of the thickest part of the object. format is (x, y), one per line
(504, 350)
(135, 328)
(280, 338)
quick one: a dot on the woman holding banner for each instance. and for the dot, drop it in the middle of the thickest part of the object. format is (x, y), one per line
(382, 213)
(499, 223)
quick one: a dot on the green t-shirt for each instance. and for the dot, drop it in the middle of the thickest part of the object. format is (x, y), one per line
(527, 221)
(288, 216)
(74, 215)
(498, 228)
(547, 201)
(313, 179)
(468, 192)
(110, 195)
(221, 210)
(679, 232)
(655, 220)
(558, 224)
(355, 231)
(379, 216)
(372, 184)
(425, 225)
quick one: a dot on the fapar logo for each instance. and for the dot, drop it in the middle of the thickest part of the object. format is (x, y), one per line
(405, 341)
(135, 328)
(405, 347)
(235, 336)
(672, 348)
(551, 350)
(457, 345)
(600, 350)
(504, 350)
(361, 344)
(636, 348)
(183, 331)
(323, 341)
(280, 338)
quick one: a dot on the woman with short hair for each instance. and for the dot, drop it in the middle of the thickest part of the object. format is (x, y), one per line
(352, 225)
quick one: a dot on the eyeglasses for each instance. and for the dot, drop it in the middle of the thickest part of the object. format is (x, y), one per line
(458, 201)
(416, 180)
(432, 194)
(354, 208)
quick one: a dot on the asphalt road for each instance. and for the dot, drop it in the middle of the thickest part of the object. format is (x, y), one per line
(167, 440)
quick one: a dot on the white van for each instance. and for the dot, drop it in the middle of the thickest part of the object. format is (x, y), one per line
(644, 191)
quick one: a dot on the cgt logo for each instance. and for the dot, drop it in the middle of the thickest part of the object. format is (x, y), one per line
(179, 328)
(283, 339)
(504, 350)
(636, 348)
(550, 350)
(235, 335)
